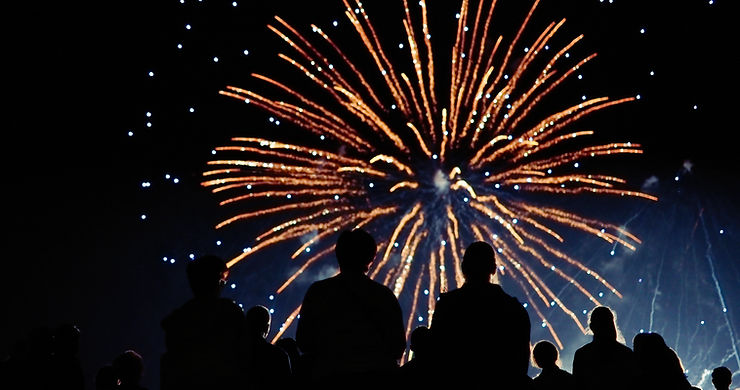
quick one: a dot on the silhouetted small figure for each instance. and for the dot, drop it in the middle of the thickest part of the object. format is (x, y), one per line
(65, 371)
(204, 338)
(658, 366)
(106, 378)
(350, 328)
(289, 345)
(481, 333)
(721, 378)
(604, 363)
(419, 370)
(129, 367)
(268, 366)
(545, 356)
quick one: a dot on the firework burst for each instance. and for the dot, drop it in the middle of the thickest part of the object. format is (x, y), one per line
(427, 162)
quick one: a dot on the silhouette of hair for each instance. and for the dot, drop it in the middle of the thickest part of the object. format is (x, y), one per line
(721, 377)
(420, 340)
(258, 321)
(479, 261)
(355, 250)
(129, 367)
(206, 275)
(544, 354)
(603, 323)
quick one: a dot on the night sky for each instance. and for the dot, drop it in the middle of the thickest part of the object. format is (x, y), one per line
(93, 143)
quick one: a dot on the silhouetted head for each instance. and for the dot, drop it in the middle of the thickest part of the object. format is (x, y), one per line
(289, 345)
(545, 354)
(650, 345)
(106, 378)
(355, 251)
(721, 377)
(420, 340)
(129, 367)
(207, 275)
(479, 262)
(602, 324)
(258, 321)
(66, 340)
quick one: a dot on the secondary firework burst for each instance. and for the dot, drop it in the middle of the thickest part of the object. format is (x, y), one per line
(427, 162)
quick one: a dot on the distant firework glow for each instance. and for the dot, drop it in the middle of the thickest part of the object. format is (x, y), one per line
(428, 158)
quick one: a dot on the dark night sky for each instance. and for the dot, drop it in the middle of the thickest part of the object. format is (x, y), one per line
(80, 253)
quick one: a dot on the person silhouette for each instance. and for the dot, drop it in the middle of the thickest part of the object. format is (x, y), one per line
(418, 371)
(658, 366)
(721, 378)
(499, 353)
(66, 367)
(350, 329)
(129, 368)
(204, 338)
(604, 363)
(289, 345)
(545, 356)
(268, 366)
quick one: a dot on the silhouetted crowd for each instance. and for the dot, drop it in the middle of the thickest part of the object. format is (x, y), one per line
(350, 334)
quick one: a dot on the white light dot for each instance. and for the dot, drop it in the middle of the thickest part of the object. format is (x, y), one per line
(218, 242)
(272, 311)
(233, 3)
(642, 31)
(638, 97)
(143, 216)
(400, 45)
(371, 185)
(576, 165)
(191, 109)
(130, 133)
(721, 231)
(151, 74)
(271, 297)
(516, 187)
(187, 27)
(336, 197)
(233, 285)
(702, 322)
(335, 23)
(246, 52)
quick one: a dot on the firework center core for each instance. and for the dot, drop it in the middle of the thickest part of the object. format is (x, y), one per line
(441, 183)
